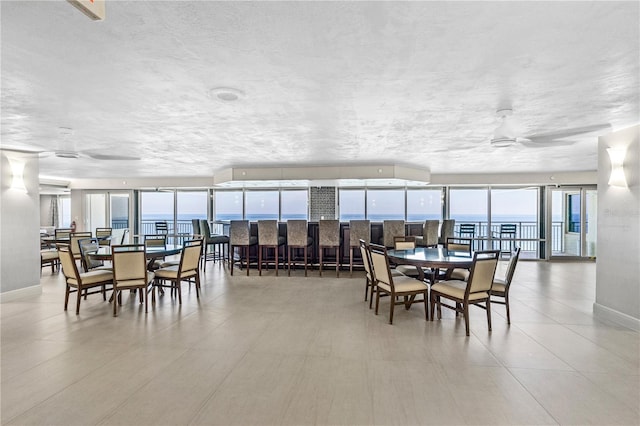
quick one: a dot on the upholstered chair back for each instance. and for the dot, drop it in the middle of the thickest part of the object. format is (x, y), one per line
(391, 229)
(268, 232)
(239, 233)
(297, 233)
(329, 232)
(359, 230)
(482, 271)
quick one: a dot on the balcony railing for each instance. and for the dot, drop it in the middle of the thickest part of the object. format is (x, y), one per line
(527, 235)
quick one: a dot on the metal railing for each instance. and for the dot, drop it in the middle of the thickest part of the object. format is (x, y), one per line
(527, 235)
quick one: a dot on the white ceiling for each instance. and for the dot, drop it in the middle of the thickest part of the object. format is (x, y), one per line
(319, 83)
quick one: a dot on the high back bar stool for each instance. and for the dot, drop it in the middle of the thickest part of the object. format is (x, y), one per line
(329, 238)
(358, 230)
(268, 238)
(429, 236)
(239, 236)
(298, 238)
(390, 230)
(446, 231)
(219, 242)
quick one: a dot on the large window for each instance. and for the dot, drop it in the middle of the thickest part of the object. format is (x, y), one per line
(260, 205)
(515, 207)
(190, 205)
(469, 209)
(573, 213)
(64, 217)
(294, 204)
(385, 204)
(155, 207)
(424, 204)
(351, 204)
(228, 205)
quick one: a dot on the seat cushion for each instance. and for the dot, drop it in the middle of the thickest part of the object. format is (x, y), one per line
(171, 272)
(404, 284)
(48, 255)
(460, 274)
(499, 286)
(170, 263)
(456, 289)
(135, 283)
(408, 270)
(95, 276)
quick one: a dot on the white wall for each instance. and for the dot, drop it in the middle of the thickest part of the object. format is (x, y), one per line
(19, 229)
(618, 261)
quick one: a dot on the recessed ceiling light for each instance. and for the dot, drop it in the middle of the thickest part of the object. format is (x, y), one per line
(226, 94)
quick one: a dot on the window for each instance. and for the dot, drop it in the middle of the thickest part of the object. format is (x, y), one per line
(191, 205)
(228, 205)
(351, 204)
(573, 213)
(64, 218)
(294, 204)
(469, 207)
(260, 205)
(423, 204)
(385, 204)
(156, 207)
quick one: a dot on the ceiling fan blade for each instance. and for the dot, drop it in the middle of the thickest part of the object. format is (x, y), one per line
(98, 156)
(560, 134)
(543, 143)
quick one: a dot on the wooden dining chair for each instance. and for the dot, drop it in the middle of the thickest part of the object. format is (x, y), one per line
(406, 242)
(501, 286)
(395, 286)
(74, 245)
(89, 247)
(82, 284)
(130, 273)
(104, 236)
(475, 291)
(187, 270)
(463, 246)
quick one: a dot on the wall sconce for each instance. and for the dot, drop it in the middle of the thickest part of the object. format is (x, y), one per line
(617, 177)
(17, 170)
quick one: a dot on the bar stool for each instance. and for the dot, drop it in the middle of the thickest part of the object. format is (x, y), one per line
(446, 231)
(268, 238)
(390, 230)
(429, 236)
(329, 236)
(218, 242)
(358, 230)
(298, 238)
(239, 237)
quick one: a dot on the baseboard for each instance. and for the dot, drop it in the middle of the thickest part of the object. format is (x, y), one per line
(608, 314)
(10, 296)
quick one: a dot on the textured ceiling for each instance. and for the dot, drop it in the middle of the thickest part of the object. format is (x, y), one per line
(318, 83)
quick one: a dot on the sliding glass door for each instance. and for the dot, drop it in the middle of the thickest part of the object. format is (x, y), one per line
(573, 222)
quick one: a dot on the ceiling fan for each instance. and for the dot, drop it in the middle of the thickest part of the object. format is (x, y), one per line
(65, 150)
(505, 135)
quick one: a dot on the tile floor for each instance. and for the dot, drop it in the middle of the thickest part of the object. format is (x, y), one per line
(278, 350)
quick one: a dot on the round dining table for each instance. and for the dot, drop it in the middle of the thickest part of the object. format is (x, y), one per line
(431, 257)
(152, 252)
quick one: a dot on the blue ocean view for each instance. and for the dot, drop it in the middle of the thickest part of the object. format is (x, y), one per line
(374, 218)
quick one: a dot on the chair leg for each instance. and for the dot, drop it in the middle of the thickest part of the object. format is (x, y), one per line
(146, 298)
(277, 250)
(78, 299)
(466, 317)
(260, 248)
(393, 304)
(115, 302)
(351, 263)
(489, 313)
(372, 290)
(321, 252)
(506, 302)
(439, 307)
(247, 258)
(179, 290)
(305, 261)
(377, 301)
(432, 299)
(366, 288)
(337, 261)
(231, 258)
(426, 306)
(66, 297)
(198, 286)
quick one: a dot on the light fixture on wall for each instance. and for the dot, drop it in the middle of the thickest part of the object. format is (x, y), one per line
(17, 170)
(617, 177)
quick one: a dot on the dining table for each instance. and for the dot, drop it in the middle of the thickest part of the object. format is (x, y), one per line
(152, 253)
(435, 258)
